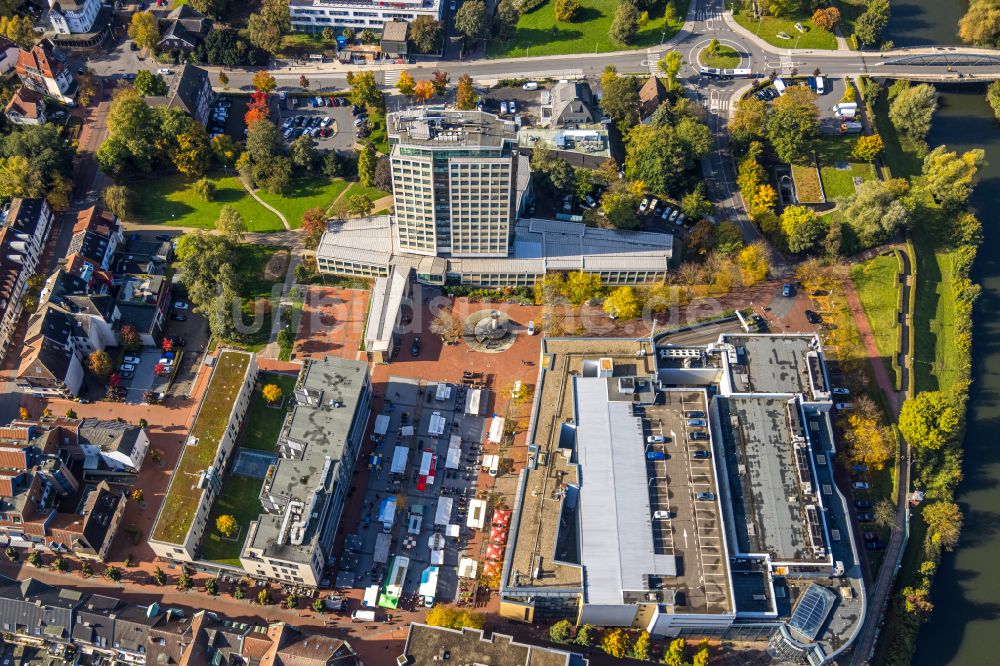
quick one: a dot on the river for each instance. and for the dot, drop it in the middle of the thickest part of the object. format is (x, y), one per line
(964, 629)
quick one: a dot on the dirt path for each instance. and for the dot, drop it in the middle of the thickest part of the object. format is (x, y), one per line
(337, 200)
(868, 338)
(266, 205)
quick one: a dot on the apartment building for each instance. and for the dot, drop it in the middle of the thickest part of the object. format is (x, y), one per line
(454, 176)
(304, 492)
(46, 624)
(73, 16)
(197, 479)
(26, 224)
(315, 15)
(43, 68)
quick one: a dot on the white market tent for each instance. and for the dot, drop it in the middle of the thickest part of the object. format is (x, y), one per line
(381, 424)
(400, 456)
(443, 515)
(467, 568)
(472, 399)
(437, 424)
(496, 429)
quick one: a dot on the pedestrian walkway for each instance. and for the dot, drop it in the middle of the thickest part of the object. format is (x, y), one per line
(266, 205)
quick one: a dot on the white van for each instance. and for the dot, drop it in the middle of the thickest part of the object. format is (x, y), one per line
(848, 114)
(363, 616)
(779, 85)
(820, 87)
(844, 105)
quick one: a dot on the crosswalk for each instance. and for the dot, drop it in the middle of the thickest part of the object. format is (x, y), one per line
(391, 76)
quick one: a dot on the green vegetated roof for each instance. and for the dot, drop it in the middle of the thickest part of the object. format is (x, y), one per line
(183, 495)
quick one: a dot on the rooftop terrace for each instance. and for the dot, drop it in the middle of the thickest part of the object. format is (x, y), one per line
(772, 364)
(181, 502)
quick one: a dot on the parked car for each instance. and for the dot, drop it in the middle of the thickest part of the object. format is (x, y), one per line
(590, 201)
(865, 517)
(656, 455)
(512, 105)
(701, 455)
(644, 205)
(863, 503)
(705, 497)
(860, 485)
(694, 414)
(164, 71)
(673, 215)
(696, 423)
(415, 349)
(844, 406)
(177, 316)
(166, 362)
(662, 515)
(667, 210)
(837, 390)
(698, 435)
(859, 468)
(181, 305)
(530, 85)
(788, 290)
(813, 318)
(656, 439)
(874, 545)
(358, 122)
(126, 375)
(127, 367)
(132, 360)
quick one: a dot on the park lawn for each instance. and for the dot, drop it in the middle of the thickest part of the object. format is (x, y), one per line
(936, 359)
(839, 184)
(726, 58)
(850, 10)
(356, 188)
(252, 260)
(305, 193)
(902, 156)
(769, 27)
(170, 200)
(298, 43)
(877, 284)
(240, 498)
(807, 186)
(538, 33)
(264, 422)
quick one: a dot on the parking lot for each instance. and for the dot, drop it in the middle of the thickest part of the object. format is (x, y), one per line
(683, 495)
(431, 489)
(332, 127)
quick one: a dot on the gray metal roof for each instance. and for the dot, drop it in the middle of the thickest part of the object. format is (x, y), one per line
(387, 298)
(616, 537)
(367, 240)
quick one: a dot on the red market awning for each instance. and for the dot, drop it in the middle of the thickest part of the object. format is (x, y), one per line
(498, 534)
(494, 552)
(490, 567)
(501, 517)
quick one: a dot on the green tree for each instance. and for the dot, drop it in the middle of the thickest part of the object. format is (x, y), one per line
(149, 84)
(702, 657)
(505, 20)
(239, 592)
(191, 152)
(205, 189)
(35, 559)
(264, 597)
(269, 24)
(913, 109)
(144, 30)
(59, 564)
(623, 303)
(695, 204)
(318, 606)
(116, 199)
(826, 18)
(993, 95)
(561, 631)
(291, 601)
(18, 29)
(585, 635)
(948, 176)
(184, 581)
(619, 203)
(366, 163)
(566, 10)
(112, 573)
(210, 7)
(230, 224)
(263, 142)
(86, 570)
(471, 21)
(625, 24)
(929, 419)
(159, 577)
(793, 124)
(226, 525)
(405, 84)
(868, 147)
(670, 65)
(365, 92)
(426, 33)
(20, 177)
(872, 22)
(620, 100)
(944, 523)
(360, 205)
(264, 82)
(878, 209)
(303, 153)
(134, 134)
(212, 587)
(802, 228)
